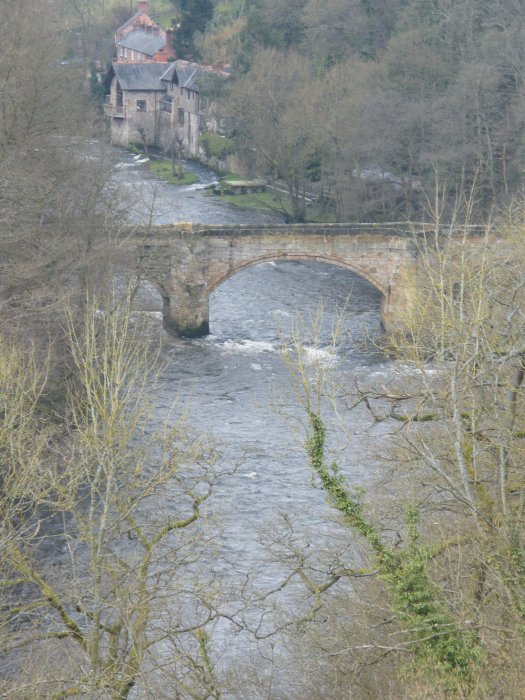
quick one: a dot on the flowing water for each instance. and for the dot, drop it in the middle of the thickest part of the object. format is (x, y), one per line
(236, 386)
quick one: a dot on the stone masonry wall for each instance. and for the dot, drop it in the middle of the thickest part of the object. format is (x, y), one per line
(202, 257)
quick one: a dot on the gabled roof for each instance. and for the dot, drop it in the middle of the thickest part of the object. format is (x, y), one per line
(140, 76)
(189, 75)
(145, 42)
(130, 20)
(173, 73)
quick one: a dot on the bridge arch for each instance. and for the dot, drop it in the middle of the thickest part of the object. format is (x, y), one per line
(283, 257)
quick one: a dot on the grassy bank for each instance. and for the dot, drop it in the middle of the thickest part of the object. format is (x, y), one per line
(164, 170)
(272, 201)
(257, 200)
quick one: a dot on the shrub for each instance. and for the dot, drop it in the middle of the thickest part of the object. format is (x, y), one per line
(215, 146)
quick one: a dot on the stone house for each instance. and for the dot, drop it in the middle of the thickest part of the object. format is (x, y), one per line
(133, 102)
(161, 105)
(153, 98)
(186, 109)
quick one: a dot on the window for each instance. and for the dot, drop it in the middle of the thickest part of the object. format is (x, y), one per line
(141, 105)
(181, 117)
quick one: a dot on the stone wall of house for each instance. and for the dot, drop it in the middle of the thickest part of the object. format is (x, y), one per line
(141, 122)
(191, 133)
(119, 131)
(167, 135)
(171, 130)
(189, 124)
(183, 121)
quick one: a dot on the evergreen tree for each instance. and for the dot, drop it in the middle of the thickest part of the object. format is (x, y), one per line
(194, 15)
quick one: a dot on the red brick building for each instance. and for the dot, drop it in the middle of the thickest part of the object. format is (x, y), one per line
(143, 40)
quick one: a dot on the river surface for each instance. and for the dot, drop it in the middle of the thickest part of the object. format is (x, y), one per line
(235, 384)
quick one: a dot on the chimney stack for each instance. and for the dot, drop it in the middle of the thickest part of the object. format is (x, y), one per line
(142, 6)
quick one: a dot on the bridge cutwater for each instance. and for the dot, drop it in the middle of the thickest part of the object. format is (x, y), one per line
(186, 261)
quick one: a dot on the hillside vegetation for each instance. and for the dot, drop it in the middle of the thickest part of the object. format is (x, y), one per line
(375, 101)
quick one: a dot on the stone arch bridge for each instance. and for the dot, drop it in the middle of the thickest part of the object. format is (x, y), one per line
(186, 262)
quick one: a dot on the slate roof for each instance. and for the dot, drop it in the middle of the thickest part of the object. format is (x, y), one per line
(140, 76)
(145, 42)
(180, 73)
(188, 75)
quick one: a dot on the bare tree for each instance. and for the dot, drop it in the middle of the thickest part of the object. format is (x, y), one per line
(96, 541)
(444, 528)
(61, 218)
(274, 124)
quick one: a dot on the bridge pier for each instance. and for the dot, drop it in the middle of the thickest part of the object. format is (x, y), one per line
(186, 316)
(397, 305)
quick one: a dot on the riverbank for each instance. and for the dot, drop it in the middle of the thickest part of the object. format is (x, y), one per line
(174, 174)
(274, 199)
(164, 168)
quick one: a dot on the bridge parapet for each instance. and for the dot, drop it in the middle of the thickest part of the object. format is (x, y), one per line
(186, 229)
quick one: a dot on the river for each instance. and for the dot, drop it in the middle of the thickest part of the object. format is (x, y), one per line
(236, 386)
